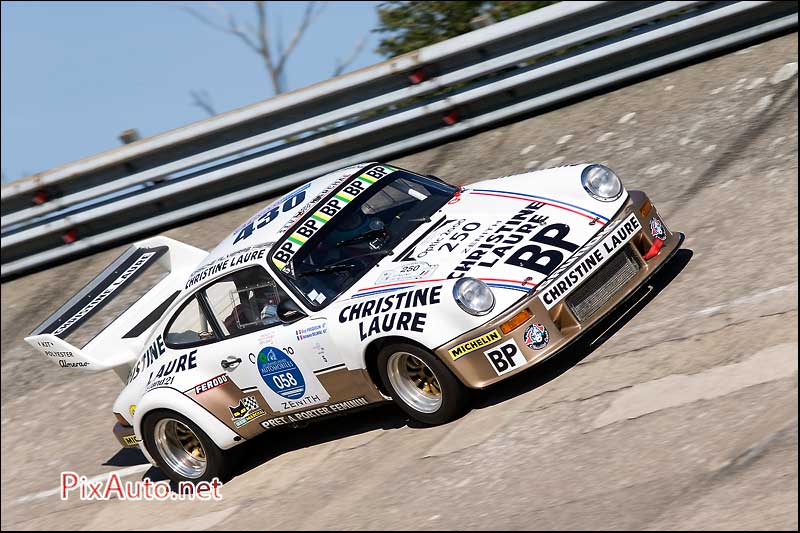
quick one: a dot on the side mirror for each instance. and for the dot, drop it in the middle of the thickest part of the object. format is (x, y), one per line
(289, 311)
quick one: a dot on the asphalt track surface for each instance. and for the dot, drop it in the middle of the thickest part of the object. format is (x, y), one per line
(683, 415)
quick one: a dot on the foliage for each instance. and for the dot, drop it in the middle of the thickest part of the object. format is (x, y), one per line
(412, 25)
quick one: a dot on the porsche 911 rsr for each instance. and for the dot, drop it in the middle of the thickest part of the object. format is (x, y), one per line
(369, 284)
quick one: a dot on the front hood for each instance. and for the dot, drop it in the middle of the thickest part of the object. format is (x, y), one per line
(510, 232)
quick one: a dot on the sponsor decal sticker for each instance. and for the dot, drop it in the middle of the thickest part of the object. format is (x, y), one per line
(407, 272)
(132, 409)
(72, 364)
(657, 229)
(235, 258)
(280, 373)
(389, 308)
(311, 331)
(333, 408)
(245, 411)
(211, 384)
(589, 263)
(150, 355)
(166, 373)
(536, 336)
(282, 257)
(48, 353)
(97, 300)
(473, 344)
(130, 440)
(505, 357)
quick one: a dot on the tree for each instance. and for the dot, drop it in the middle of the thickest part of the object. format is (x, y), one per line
(273, 51)
(413, 25)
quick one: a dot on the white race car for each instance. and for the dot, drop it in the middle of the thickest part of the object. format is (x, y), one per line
(369, 284)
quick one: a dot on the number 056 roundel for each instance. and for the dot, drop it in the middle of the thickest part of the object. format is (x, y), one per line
(369, 284)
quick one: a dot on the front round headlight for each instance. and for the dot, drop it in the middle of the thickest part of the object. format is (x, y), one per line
(473, 296)
(601, 183)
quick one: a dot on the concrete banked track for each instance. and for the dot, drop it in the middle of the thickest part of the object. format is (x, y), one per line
(686, 417)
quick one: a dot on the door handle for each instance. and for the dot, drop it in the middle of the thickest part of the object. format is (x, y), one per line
(230, 362)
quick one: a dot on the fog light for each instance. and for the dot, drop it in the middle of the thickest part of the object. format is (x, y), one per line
(515, 321)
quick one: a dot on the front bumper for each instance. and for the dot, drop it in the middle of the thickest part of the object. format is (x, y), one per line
(485, 355)
(125, 435)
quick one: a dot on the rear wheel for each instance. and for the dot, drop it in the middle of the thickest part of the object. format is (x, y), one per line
(181, 449)
(421, 385)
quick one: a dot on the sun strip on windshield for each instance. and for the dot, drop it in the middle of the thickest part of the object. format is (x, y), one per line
(283, 254)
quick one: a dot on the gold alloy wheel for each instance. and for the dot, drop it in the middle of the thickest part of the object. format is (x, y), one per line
(414, 382)
(180, 448)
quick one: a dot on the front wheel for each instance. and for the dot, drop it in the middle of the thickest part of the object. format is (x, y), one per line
(181, 449)
(421, 385)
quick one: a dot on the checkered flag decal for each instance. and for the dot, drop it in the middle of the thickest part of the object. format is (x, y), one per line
(251, 403)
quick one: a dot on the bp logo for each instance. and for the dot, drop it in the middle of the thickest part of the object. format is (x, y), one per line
(657, 229)
(280, 373)
(536, 336)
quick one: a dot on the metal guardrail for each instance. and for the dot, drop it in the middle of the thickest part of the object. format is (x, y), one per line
(449, 89)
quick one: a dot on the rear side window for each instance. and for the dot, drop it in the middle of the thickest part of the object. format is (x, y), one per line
(245, 301)
(189, 326)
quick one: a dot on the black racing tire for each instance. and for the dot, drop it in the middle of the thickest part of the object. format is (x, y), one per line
(218, 463)
(396, 359)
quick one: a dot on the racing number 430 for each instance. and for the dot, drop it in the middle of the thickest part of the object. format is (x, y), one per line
(290, 203)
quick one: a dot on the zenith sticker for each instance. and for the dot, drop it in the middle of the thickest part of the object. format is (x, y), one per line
(505, 357)
(657, 229)
(473, 344)
(245, 411)
(536, 336)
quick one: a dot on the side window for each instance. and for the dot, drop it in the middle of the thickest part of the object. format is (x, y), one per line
(189, 326)
(245, 301)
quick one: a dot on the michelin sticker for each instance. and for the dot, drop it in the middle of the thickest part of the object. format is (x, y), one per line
(289, 384)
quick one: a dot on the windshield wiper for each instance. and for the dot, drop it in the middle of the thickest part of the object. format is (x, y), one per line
(420, 219)
(340, 266)
(364, 237)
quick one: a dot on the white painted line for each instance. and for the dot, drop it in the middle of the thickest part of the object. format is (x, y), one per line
(770, 364)
(124, 472)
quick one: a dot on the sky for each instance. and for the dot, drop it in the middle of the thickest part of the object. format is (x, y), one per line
(75, 75)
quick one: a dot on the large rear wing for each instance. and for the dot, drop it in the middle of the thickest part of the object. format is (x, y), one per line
(118, 345)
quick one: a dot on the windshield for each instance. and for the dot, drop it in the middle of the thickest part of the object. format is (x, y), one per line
(360, 234)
